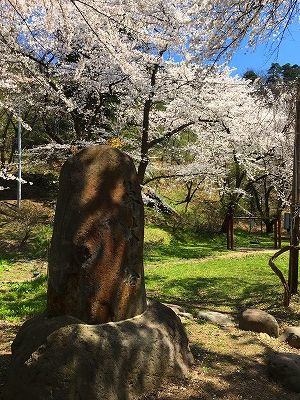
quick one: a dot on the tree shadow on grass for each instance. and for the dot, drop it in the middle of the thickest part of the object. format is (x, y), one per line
(228, 376)
(216, 293)
(159, 251)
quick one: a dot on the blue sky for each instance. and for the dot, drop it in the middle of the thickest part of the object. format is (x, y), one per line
(260, 58)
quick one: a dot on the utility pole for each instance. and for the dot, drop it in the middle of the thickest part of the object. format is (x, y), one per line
(19, 140)
(295, 206)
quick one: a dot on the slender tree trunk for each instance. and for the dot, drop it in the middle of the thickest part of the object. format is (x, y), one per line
(145, 128)
(225, 222)
(276, 234)
(230, 229)
(270, 224)
(4, 140)
(279, 229)
(79, 124)
(295, 207)
(145, 137)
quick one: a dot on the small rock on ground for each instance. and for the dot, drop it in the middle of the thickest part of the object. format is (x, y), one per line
(217, 318)
(291, 335)
(285, 368)
(256, 320)
(180, 311)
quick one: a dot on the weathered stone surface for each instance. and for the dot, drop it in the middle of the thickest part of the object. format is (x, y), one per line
(258, 321)
(217, 318)
(180, 311)
(285, 368)
(36, 330)
(96, 255)
(291, 335)
(112, 361)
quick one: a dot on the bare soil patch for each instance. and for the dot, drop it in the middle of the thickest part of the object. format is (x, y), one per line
(229, 365)
(8, 331)
(23, 270)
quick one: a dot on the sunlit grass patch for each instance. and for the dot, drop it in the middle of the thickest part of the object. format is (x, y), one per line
(5, 265)
(256, 239)
(22, 299)
(162, 246)
(225, 284)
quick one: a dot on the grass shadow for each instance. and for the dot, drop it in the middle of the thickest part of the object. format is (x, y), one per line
(231, 293)
(184, 248)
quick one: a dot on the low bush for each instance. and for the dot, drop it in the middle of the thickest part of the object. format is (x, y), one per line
(26, 230)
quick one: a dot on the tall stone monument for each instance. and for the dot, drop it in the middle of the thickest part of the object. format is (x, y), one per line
(98, 339)
(96, 256)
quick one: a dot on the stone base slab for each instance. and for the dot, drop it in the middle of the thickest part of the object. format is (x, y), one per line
(61, 358)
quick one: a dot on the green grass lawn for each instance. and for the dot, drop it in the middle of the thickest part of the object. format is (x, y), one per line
(5, 264)
(224, 284)
(161, 246)
(22, 299)
(197, 272)
(255, 239)
(201, 273)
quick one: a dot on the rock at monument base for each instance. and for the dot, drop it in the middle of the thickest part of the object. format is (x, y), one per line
(291, 335)
(112, 361)
(256, 320)
(180, 311)
(217, 318)
(285, 368)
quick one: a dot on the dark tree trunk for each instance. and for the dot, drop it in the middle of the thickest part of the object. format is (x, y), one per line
(294, 241)
(230, 230)
(225, 223)
(4, 140)
(269, 225)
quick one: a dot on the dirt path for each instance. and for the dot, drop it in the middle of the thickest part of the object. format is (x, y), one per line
(239, 253)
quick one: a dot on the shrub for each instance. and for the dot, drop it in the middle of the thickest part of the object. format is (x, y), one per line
(24, 227)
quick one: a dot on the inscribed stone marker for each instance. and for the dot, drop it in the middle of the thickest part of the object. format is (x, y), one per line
(96, 268)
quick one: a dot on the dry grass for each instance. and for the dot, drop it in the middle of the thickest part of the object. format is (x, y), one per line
(229, 365)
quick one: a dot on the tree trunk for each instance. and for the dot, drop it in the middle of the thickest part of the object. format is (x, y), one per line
(4, 140)
(294, 252)
(225, 223)
(269, 223)
(279, 229)
(230, 230)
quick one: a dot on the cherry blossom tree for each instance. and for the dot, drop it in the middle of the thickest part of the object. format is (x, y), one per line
(140, 69)
(116, 49)
(242, 141)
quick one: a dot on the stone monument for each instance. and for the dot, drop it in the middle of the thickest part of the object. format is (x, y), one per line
(96, 256)
(99, 338)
